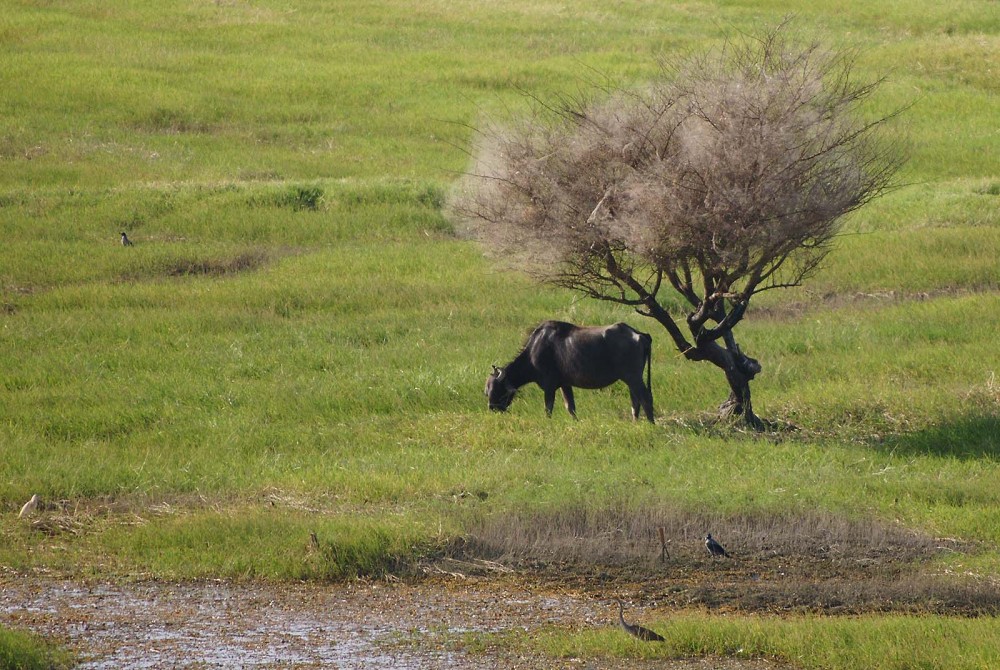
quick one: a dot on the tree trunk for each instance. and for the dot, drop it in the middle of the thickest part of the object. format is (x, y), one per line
(738, 404)
(740, 369)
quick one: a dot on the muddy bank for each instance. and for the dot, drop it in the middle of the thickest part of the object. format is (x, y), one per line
(350, 626)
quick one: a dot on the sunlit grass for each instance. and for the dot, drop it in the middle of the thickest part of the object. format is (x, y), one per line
(354, 366)
(129, 93)
(846, 643)
(297, 342)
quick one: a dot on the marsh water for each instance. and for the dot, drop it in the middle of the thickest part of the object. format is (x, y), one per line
(214, 624)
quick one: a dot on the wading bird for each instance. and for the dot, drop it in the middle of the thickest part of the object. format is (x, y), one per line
(126, 242)
(635, 629)
(714, 547)
(29, 507)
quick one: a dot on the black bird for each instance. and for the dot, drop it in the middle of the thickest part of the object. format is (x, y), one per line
(635, 629)
(714, 547)
(126, 242)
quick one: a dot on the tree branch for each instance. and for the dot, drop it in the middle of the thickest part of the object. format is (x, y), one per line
(725, 326)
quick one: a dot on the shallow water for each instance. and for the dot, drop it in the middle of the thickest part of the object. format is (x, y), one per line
(358, 626)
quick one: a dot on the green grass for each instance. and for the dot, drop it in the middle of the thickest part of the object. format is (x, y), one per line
(298, 342)
(24, 651)
(844, 643)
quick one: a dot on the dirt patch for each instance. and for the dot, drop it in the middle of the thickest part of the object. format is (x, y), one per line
(350, 626)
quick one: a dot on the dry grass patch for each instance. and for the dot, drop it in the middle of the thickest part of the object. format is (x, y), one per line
(795, 562)
(209, 266)
(620, 536)
(242, 262)
(79, 516)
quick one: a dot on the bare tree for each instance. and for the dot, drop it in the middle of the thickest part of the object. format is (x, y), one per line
(726, 177)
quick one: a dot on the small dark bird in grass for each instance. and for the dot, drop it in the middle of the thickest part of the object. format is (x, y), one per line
(714, 547)
(126, 242)
(636, 630)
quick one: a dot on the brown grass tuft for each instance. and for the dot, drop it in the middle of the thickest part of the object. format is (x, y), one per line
(219, 266)
(243, 262)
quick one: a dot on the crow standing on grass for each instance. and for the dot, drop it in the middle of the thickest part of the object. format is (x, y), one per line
(126, 242)
(714, 547)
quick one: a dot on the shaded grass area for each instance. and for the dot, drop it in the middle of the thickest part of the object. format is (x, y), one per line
(24, 651)
(973, 436)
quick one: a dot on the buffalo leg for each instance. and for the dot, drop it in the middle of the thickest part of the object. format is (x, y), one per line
(634, 395)
(642, 398)
(569, 401)
(550, 401)
(647, 402)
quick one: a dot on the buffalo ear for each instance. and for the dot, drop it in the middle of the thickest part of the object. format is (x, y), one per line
(497, 371)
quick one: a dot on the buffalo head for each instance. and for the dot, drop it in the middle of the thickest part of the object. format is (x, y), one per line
(499, 392)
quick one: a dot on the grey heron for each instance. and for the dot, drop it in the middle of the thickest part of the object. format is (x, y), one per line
(635, 629)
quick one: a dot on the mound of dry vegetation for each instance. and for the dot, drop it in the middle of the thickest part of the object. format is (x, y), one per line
(795, 562)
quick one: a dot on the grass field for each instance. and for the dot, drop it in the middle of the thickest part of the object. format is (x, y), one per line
(298, 341)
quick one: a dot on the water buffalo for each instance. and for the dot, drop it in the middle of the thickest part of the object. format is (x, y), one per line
(559, 355)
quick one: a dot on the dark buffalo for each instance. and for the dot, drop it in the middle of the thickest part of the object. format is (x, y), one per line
(560, 355)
